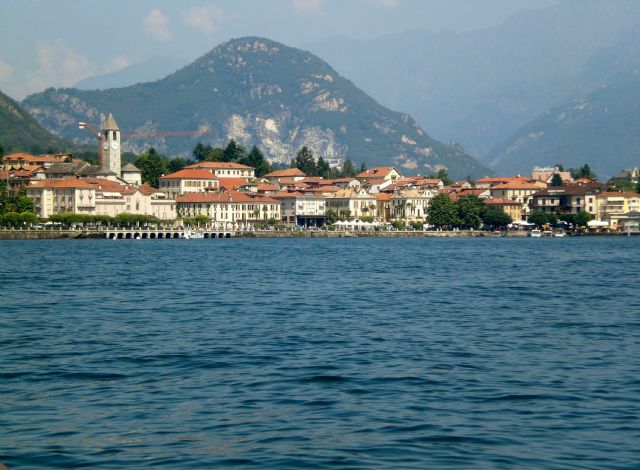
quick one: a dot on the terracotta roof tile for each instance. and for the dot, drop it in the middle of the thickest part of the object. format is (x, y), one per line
(191, 174)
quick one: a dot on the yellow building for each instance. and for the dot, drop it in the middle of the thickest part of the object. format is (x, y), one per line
(612, 207)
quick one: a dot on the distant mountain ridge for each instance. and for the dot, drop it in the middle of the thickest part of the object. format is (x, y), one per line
(258, 91)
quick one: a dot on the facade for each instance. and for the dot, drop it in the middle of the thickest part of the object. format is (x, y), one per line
(225, 169)
(131, 174)
(356, 203)
(19, 160)
(62, 195)
(293, 174)
(612, 207)
(520, 191)
(565, 200)
(411, 204)
(188, 181)
(229, 208)
(510, 207)
(305, 210)
(379, 172)
(546, 174)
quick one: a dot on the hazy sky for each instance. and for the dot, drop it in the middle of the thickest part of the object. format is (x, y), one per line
(56, 43)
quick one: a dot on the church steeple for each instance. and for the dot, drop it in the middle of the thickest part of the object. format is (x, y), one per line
(111, 145)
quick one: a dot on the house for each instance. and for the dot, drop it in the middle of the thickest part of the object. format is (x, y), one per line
(565, 200)
(612, 207)
(510, 207)
(490, 181)
(546, 174)
(292, 174)
(632, 176)
(411, 204)
(225, 169)
(306, 210)
(353, 203)
(131, 174)
(188, 181)
(377, 173)
(18, 160)
(57, 196)
(520, 191)
(229, 208)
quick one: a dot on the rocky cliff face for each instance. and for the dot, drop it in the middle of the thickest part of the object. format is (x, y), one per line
(260, 92)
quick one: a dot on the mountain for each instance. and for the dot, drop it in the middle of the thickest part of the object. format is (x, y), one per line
(599, 128)
(480, 86)
(140, 72)
(21, 132)
(261, 92)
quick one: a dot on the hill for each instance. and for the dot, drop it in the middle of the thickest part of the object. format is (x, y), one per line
(599, 128)
(260, 92)
(480, 86)
(21, 132)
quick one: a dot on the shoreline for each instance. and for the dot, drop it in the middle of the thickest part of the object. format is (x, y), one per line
(85, 235)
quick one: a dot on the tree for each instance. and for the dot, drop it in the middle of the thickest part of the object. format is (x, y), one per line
(177, 164)
(332, 217)
(638, 187)
(556, 180)
(581, 219)
(469, 209)
(584, 171)
(323, 168)
(538, 218)
(152, 165)
(363, 167)
(348, 170)
(256, 159)
(442, 211)
(495, 217)
(443, 175)
(200, 151)
(233, 152)
(306, 162)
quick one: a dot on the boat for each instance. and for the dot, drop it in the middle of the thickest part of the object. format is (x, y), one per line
(189, 234)
(547, 233)
(535, 233)
(559, 233)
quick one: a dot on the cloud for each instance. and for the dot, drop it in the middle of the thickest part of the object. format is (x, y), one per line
(205, 19)
(5, 70)
(157, 25)
(58, 65)
(118, 63)
(307, 7)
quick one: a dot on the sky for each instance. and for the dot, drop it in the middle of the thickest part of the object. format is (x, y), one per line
(46, 43)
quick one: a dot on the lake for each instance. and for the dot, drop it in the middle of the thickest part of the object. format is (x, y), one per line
(320, 353)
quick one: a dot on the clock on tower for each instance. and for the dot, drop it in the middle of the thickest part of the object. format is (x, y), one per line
(111, 145)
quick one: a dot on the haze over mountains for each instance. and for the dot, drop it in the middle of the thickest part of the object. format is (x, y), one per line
(260, 92)
(480, 87)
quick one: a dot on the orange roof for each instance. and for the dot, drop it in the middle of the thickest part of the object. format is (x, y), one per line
(290, 172)
(627, 194)
(61, 183)
(376, 172)
(220, 166)
(383, 196)
(232, 183)
(190, 174)
(103, 184)
(224, 197)
(519, 185)
(26, 157)
(501, 201)
(267, 187)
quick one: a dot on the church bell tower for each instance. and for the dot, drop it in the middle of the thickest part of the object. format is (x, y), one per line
(111, 145)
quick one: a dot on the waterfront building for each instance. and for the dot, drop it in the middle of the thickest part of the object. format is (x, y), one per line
(354, 203)
(520, 191)
(613, 207)
(57, 196)
(225, 169)
(229, 208)
(565, 200)
(188, 180)
(411, 204)
(510, 207)
(305, 210)
(546, 174)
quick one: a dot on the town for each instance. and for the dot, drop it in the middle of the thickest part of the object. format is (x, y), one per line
(229, 196)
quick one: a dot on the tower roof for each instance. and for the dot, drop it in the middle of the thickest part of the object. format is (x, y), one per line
(110, 124)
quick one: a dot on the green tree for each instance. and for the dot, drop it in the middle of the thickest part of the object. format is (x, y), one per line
(442, 211)
(539, 218)
(152, 165)
(495, 217)
(256, 159)
(363, 167)
(581, 219)
(177, 164)
(200, 152)
(443, 175)
(638, 187)
(584, 171)
(306, 162)
(469, 209)
(233, 152)
(348, 170)
(323, 168)
(556, 180)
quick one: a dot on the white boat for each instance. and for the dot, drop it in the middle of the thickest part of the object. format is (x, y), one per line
(189, 234)
(559, 233)
(535, 233)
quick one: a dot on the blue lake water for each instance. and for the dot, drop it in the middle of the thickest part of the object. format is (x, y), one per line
(320, 353)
